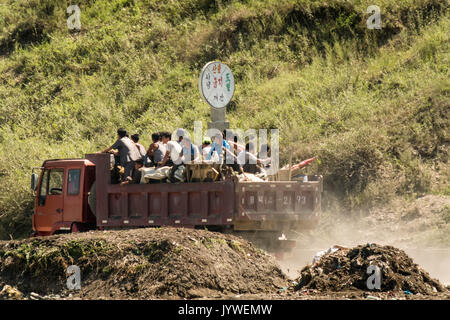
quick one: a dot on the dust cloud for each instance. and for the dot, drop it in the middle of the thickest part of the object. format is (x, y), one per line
(418, 237)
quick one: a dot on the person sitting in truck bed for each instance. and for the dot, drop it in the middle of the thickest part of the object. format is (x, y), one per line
(232, 139)
(180, 134)
(232, 153)
(156, 150)
(191, 152)
(206, 148)
(173, 155)
(140, 147)
(128, 152)
(136, 174)
(219, 144)
(248, 160)
(264, 156)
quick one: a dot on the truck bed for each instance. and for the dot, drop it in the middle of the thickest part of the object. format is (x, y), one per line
(243, 205)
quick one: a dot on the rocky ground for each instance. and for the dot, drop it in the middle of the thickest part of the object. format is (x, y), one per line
(347, 269)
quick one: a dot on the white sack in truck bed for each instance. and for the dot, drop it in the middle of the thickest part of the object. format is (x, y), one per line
(155, 174)
(249, 177)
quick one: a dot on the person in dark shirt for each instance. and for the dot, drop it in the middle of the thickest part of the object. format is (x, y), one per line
(264, 156)
(248, 160)
(136, 174)
(128, 152)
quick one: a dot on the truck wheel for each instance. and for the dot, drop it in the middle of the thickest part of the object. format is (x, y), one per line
(92, 200)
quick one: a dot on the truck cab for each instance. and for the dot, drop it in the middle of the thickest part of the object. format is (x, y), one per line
(61, 192)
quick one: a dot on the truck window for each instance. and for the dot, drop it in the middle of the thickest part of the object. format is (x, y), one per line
(73, 181)
(43, 188)
(55, 183)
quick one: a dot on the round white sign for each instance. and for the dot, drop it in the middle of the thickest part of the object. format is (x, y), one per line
(216, 84)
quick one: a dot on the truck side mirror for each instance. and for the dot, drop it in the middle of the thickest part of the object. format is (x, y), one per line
(34, 181)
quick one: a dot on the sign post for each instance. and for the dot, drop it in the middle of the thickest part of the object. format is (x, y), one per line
(216, 85)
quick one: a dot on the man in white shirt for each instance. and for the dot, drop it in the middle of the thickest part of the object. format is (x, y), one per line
(140, 147)
(173, 151)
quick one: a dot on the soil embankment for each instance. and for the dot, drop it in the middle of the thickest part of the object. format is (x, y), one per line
(140, 264)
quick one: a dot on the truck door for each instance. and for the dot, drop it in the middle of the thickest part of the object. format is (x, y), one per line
(50, 200)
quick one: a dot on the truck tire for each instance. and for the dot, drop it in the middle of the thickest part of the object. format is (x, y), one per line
(92, 199)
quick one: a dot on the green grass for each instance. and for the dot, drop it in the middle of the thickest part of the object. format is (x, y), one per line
(371, 104)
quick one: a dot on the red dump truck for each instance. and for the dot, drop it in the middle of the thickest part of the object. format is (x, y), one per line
(73, 195)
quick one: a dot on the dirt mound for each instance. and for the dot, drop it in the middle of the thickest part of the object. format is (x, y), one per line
(139, 263)
(346, 269)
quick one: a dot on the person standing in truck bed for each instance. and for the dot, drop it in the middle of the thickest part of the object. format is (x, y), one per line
(128, 152)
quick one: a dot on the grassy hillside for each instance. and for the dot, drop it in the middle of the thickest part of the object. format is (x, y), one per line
(372, 104)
